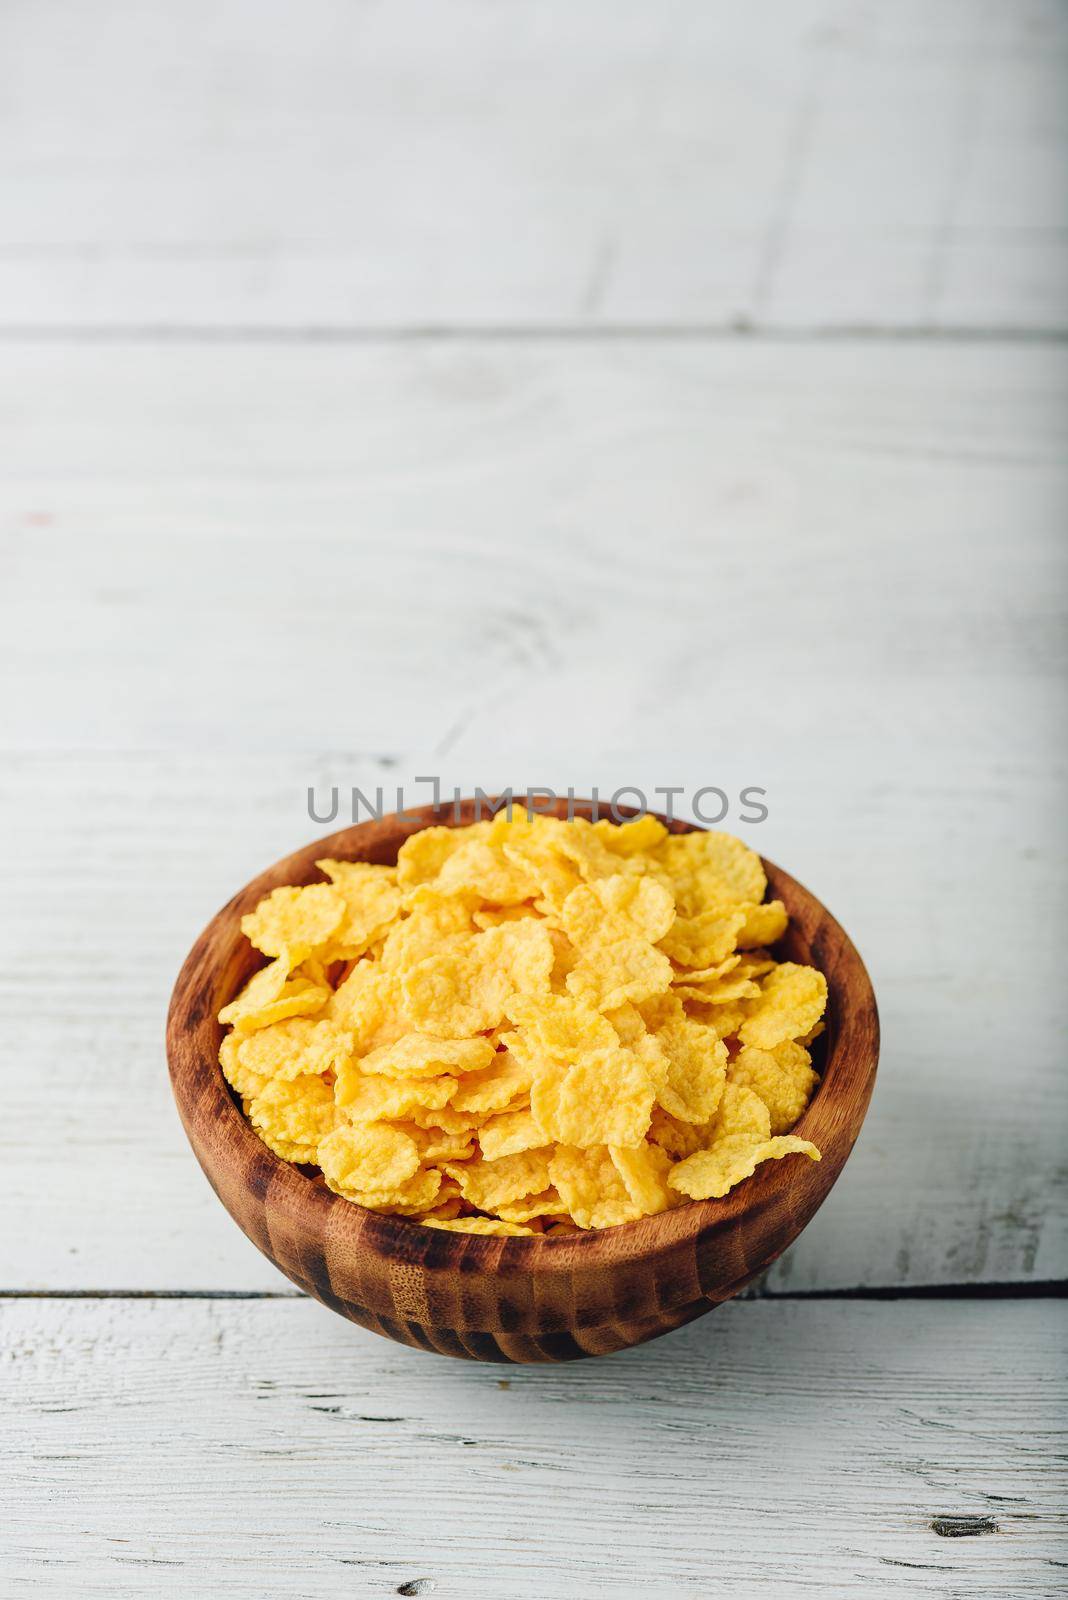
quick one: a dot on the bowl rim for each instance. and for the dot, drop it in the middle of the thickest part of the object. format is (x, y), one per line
(194, 1034)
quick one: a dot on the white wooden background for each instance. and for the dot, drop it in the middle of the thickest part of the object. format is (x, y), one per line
(591, 393)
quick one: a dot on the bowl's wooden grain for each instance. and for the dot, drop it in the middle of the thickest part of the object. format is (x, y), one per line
(510, 1299)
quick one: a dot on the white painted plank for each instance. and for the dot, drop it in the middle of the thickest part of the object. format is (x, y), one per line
(832, 572)
(799, 164)
(265, 1448)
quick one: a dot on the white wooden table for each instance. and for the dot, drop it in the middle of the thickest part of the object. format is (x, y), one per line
(600, 393)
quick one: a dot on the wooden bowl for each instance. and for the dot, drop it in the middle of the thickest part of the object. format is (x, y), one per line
(510, 1299)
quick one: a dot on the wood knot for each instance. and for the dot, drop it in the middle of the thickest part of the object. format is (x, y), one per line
(963, 1527)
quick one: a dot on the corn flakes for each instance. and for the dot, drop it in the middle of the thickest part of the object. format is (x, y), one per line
(528, 1027)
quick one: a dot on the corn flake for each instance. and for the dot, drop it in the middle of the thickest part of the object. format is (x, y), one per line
(433, 922)
(489, 1184)
(357, 1159)
(644, 1171)
(618, 907)
(412, 1199)
(764, 924)
(591, 1188)
(422, 856)
(604, 1098)
(294, 922)
(704, 940)
(709, 870)
(688, 1067)
(265, 1000)
(291, 1048)
(485, 1225)
(494, 1087)
(783, 1078)
(465, 990)
(791, 1002)
(606, 975)
(241, 1078)
(712, 1173)
(421, 1055)
(630, 838)
(368, 1097)
(546, 1204)
(509, 1133)
(294, 1116)
(372, 901)
(485, 871)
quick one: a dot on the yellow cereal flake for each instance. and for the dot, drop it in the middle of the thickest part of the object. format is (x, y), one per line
(791, 1002)
(446, 1120)
(561, 1026)
(660, 1009)
(510, 1132)
(783, 1078)
(630, 838)
(565, 959)
(246, 1082)
(485, 871)
(552, 873)
(740, 1111)
(421, 1055)
(436, 1146)
(294, 922)
(433, 921)
(710, 870)
(628, 969)
(711, 1173)
(369, 1097)
(293, 1048)
(358, 1158)
(486, 1225)
(368, 1006)
(606, 1097)
(591, 1189)
(294, 1116)
(618, 907)
(444, 1210)
(724, 1020)
(704, 940)
(301, 998)
(261, 990)
(627, 1024)
(297, 998)
(687, 1064)
(372, 901)
(489, 1184)
(644, 1171)
(554, 1025)
(494, 1087)
(412, 1199)
(579, 843)
(546, 1204)
(422, 856)
(751, 964)
(680, 1139)
(764, 924)
(493, 916)
(465, 990)
(716, 991)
